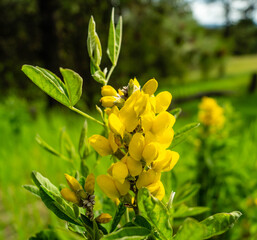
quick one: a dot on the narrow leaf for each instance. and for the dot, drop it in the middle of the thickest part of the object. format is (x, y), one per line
(185, 211)
(155, 212)
(219, 223)
(111, 50)
(118, 39)
(120, 211)
(176, 112)
(73, 82)
(185, 193)
(46, 146)
(33, 189)
(183, 133)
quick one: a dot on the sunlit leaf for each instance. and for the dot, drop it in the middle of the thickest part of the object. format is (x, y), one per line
(73, 82)
(48, 82)
(219, 223)
(155, 212)
(191, 229)
(111, 50)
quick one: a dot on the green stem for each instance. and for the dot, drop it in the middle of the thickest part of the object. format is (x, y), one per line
(86, 115)
(110, 73)
(127, 215)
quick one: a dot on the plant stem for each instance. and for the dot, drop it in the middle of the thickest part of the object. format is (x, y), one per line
(86, 115)
(110, 73)
(127, 215)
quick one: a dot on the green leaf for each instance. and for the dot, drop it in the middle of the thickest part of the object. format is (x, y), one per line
(53, 200)
(219, 223)
(73, 82)
(66, 145)
(93, 44)
(119, 213)
(191, 229)
(76, 229)
(118, 39)
(99, 76)
(46, 146)
(185, 193)
(33, 189)
(48, 82)
(142, 222)
(155, 212)
(39, 180)
(114, 39)
(185, 211)
(183, 133)
(134, 233)
(83, 148)
(176, 112)
(111, 50)
(54, 207)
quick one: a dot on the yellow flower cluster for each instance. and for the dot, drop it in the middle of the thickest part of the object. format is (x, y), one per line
(140, 133)
(210, 113)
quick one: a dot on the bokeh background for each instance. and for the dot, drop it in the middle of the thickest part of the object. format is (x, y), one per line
(193, 48)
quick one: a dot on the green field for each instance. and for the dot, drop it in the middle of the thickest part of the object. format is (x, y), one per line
(22, 214)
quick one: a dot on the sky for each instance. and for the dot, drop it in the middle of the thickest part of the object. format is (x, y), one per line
(213, 13)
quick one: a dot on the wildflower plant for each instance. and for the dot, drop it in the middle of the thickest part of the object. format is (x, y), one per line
(138, 135)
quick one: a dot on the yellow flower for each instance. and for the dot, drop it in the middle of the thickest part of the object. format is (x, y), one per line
(150, 87)
(90, 184)
(150, 152)
(134, 167)
(100, 144)
(120, 171)
(111, 187)
(136, 146)
(166, 161)
(163, 100)
(116, 125)
(104, 218)
(210, 113)
(147, 177)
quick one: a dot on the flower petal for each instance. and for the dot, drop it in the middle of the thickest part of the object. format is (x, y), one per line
(101, 145)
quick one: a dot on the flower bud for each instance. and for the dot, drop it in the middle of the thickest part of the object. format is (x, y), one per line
(73, 183)
(90, 184)
(69, 195)
(108, 91)
(104, 218)
(108, 101)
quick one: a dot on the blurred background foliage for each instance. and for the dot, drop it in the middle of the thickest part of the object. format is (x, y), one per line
(161, 39)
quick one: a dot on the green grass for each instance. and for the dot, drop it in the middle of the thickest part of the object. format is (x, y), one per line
(22, 214)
